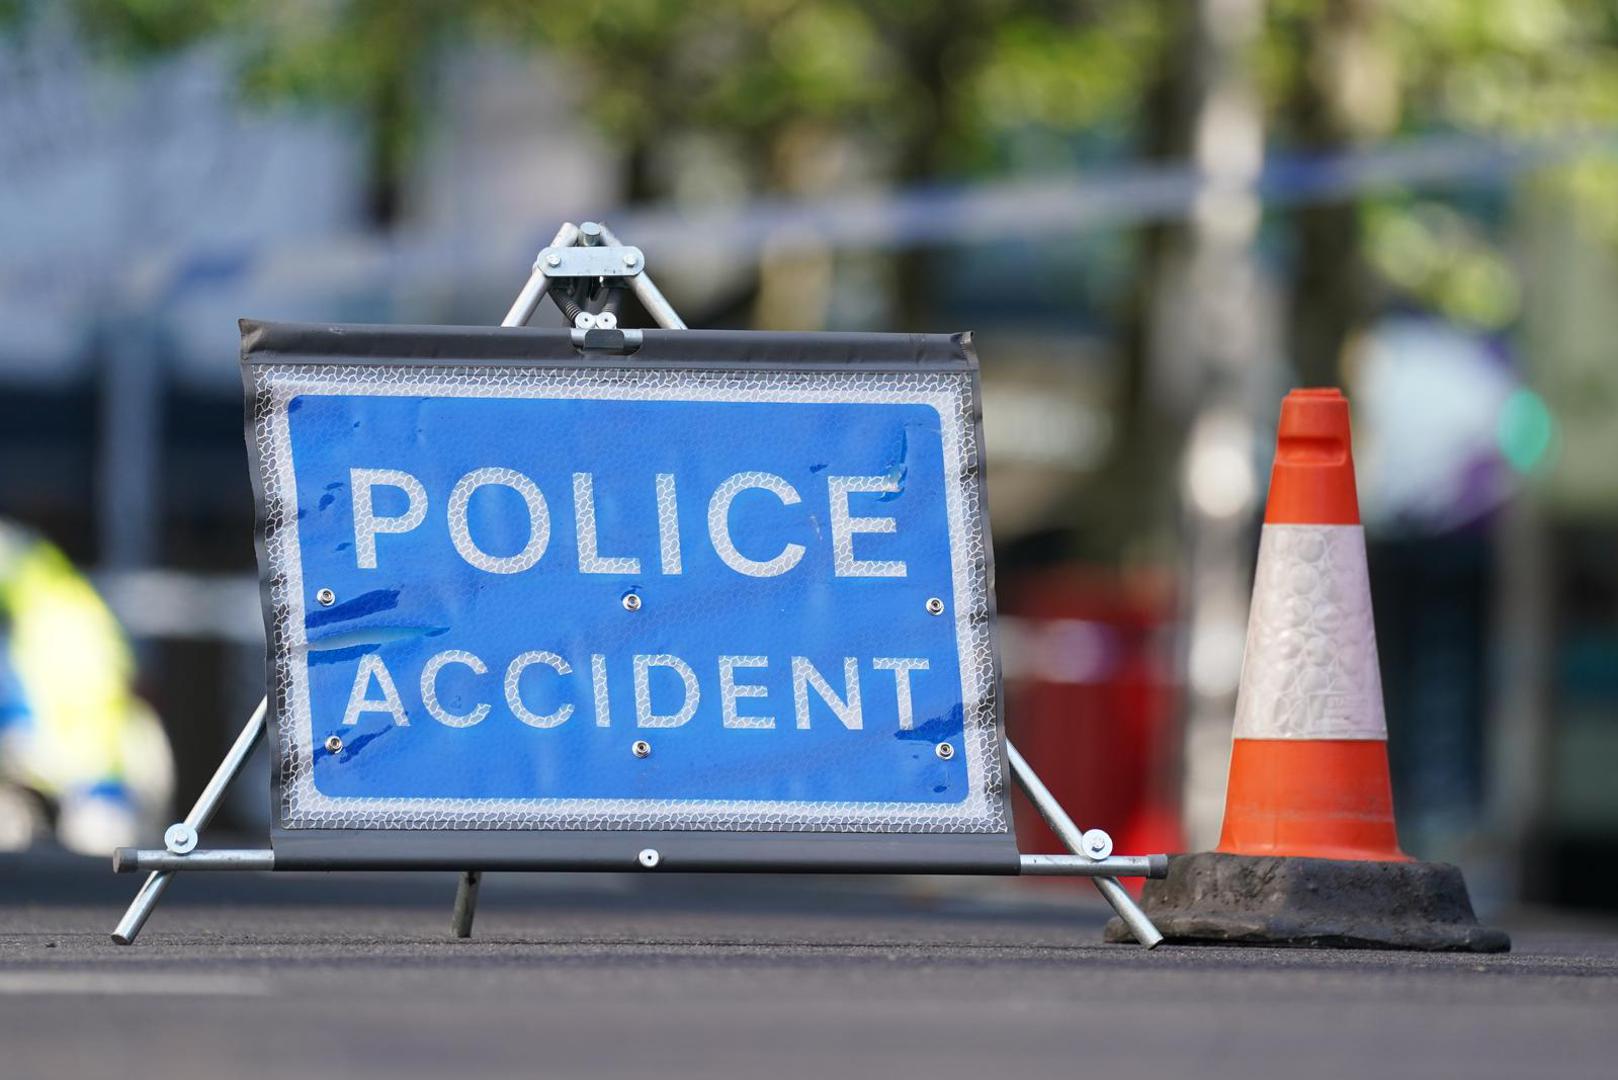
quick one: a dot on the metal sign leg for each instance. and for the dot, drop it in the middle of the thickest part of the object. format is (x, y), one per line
(528, 301)
(183, 837)
(1063, 826)
(650, 296)
(466, 903)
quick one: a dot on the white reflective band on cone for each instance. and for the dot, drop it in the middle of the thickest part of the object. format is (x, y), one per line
(1310, 669)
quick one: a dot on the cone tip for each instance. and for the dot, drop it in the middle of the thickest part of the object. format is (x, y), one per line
(1312, 482)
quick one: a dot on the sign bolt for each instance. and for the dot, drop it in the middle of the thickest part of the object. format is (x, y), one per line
(631, 601)
(553, 259)
(326, 597)
(334, 744)
(640, 748)
(944, 751)
(935, 606)
(630, 258)
(180, 838)
(649, 858)
(1096, 843)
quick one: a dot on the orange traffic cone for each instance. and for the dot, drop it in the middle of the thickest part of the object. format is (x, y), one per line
(1309, 765)
(1309, 854)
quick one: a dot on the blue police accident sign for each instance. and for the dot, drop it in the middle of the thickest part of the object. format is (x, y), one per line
(560, 593)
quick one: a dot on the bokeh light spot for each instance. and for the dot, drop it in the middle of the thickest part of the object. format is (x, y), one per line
(1526, 430)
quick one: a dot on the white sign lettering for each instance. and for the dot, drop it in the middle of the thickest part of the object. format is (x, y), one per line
(651, 700)
(740, 553)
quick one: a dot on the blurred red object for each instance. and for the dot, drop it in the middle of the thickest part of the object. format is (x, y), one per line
(1090, 702)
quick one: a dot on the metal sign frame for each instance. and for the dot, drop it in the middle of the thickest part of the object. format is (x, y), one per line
(586, 272)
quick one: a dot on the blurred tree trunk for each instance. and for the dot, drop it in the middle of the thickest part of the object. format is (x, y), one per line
(1344, 94)
(1330, 292)
(396, 46)
(930, 43)
(1135, 488)
(637, 173)
(795, 269)
(390, 119)
(1210, 356)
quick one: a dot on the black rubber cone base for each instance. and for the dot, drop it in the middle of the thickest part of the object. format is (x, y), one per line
(1314, 903)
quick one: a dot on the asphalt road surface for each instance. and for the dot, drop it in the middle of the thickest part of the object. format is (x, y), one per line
(776, 978)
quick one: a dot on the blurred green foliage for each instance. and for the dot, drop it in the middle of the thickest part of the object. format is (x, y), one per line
(920, 92)
(1378, 69)
(926, 89)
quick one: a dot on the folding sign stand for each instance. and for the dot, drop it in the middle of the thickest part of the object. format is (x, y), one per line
(585, 270)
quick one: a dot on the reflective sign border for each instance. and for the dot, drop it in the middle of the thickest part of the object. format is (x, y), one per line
(281, 361)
